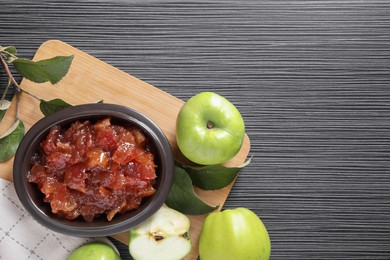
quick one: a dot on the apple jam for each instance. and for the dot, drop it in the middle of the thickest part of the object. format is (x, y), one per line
(94, 169)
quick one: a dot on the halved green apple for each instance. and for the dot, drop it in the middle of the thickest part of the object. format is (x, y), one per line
(164, 236)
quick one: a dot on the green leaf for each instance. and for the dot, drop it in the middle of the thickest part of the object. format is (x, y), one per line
(10, 49)
(52, 70)
(10, 140)
(213, 177)
(51, 106)
(4, 105)
(182, 196)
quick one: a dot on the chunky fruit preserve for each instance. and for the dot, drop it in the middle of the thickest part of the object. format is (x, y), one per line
(94, 169)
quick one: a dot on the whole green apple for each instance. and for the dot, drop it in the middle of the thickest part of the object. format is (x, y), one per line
(94, 251)
(234, 234)
(209, 129)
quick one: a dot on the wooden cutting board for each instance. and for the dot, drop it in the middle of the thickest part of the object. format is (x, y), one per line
(90, 80)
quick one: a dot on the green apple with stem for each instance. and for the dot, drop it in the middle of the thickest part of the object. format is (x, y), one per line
(234, 234)
(164, 236)
(209, 129)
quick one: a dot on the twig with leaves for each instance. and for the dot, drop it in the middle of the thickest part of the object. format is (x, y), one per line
(49, 70)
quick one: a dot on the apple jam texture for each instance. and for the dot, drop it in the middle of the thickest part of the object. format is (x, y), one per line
(90, 170)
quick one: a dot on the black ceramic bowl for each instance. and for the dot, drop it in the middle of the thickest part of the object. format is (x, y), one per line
(32, 198)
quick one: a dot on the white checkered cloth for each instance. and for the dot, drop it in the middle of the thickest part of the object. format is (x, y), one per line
(21, 237)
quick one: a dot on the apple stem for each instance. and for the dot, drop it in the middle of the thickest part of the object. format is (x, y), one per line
(210, 124)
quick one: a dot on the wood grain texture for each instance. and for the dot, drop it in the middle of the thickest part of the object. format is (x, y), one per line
(311, 79)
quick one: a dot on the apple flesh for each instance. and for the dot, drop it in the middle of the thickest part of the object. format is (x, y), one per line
(94, 251)
(234, 234)
(164, 236)
(209, 129)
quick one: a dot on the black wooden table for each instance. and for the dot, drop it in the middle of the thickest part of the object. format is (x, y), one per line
(311, 78)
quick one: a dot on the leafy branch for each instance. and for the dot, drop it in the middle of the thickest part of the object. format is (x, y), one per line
(49, 70)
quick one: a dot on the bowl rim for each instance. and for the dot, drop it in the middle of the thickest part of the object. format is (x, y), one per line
(35, 134)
